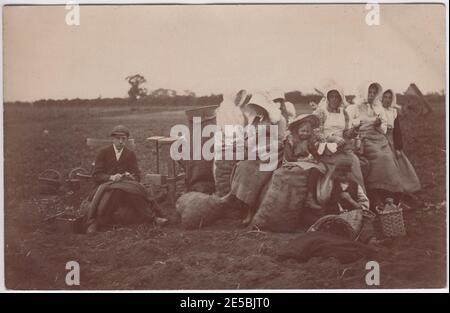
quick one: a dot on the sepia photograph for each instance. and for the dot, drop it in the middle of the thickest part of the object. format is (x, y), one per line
(225, 147)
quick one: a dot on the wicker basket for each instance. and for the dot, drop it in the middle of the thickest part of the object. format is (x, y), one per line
(347, 224)
(49, 182)
(392, 222)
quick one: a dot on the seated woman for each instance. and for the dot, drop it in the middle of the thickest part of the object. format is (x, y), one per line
(336, 133)
(229, 113)
(295, 181)
(409, 179)
(248, 180)
(383, 176)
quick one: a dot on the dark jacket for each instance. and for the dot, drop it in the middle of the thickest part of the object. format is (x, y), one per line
(335, 199)
(107, 165)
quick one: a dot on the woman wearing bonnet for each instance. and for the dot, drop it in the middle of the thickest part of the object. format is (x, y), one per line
(248, 180)
(410, 181)
(383, 177)
(336, 134)
(228, 113)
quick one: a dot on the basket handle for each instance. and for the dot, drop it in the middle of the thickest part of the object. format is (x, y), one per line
(78, 170)
(42, 176)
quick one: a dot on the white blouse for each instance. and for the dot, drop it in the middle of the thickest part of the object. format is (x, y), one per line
(366, 115)
(334, 124)
(391, 115)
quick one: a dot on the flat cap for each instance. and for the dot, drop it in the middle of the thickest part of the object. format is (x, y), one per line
(120, 130)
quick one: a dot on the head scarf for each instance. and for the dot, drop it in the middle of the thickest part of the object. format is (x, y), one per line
(393, 110)
(323, 104)
(364, 91)
(262, 100)
(290, 109)
(394, 104)
(229, 112)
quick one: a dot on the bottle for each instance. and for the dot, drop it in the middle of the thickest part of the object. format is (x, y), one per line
(389, 205)
(357, 144)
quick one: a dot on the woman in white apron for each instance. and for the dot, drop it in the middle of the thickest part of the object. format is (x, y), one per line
(383, 178)
(336, 135)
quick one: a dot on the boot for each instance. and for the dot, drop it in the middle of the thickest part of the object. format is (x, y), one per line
(247, 220)
(92, 229)
(312, 203)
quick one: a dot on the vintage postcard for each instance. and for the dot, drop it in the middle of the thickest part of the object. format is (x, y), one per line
(225, 147)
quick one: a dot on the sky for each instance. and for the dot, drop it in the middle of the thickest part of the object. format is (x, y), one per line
(219, 48)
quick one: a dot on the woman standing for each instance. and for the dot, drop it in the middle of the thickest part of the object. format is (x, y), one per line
(336, 135)
(410, 181)
(383, 176)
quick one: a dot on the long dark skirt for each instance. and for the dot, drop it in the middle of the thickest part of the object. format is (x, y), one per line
(410, 180)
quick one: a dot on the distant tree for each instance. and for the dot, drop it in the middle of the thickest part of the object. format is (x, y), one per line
(136, 91)
(164, 93)
(189, 93)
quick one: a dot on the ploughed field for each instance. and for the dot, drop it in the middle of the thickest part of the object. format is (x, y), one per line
(222, 256)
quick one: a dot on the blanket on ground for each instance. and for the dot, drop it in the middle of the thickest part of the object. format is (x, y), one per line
(101, 199)
(319, 244)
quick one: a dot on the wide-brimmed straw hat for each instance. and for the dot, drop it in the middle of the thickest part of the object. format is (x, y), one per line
(302, 118)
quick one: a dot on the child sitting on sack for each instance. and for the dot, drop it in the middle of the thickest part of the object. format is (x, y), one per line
(300, 149)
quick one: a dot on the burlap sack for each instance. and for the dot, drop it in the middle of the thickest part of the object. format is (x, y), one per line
(282, 204)
(198, 209)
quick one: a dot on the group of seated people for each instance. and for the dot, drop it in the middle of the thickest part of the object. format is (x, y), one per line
(340, 158)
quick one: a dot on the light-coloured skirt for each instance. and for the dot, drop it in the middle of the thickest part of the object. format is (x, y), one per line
(383, 172)
(410, 180)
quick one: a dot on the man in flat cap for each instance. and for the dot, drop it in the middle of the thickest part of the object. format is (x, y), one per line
(118, 197)
(116, 161)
